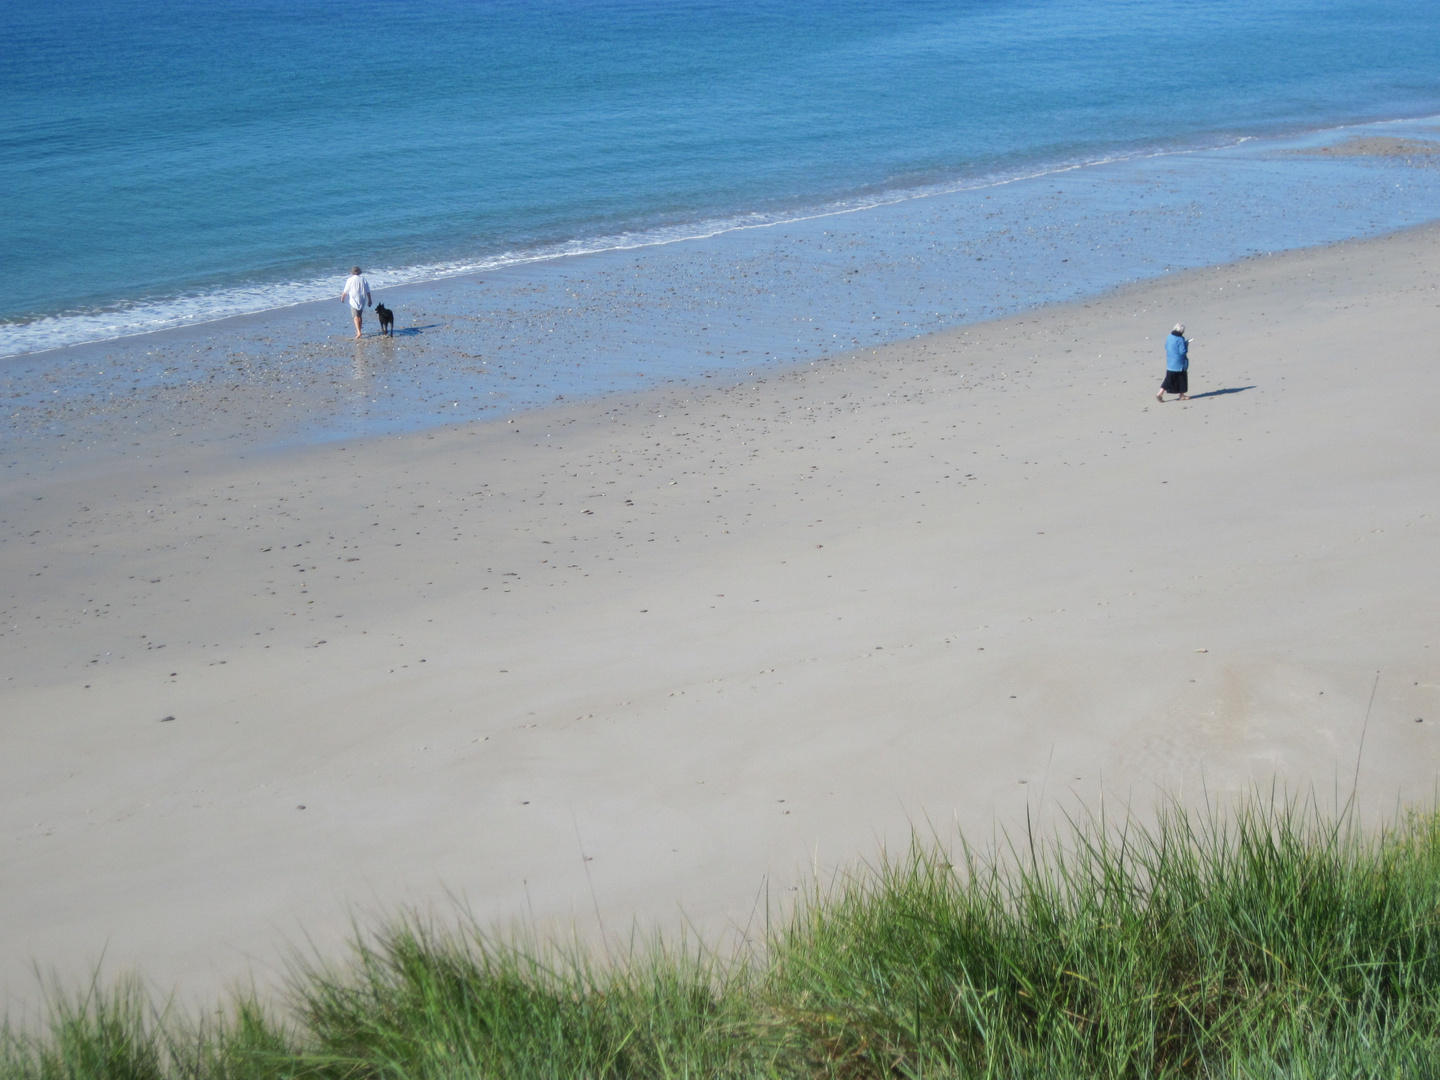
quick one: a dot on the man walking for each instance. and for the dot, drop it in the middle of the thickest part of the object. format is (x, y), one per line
(357, 291)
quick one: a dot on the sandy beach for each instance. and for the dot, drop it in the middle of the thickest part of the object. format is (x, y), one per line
(654, 658)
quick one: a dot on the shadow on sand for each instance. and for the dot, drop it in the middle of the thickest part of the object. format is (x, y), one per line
(1218, 393)
(410, 331)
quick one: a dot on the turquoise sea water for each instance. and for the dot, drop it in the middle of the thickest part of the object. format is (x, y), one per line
(170, 160)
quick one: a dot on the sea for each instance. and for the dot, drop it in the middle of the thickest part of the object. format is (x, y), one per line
(886, 167)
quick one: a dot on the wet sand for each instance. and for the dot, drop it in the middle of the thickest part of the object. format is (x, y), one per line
(656, 657)
(1382, 146)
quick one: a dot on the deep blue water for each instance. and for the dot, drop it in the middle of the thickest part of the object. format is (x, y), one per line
(171, 160)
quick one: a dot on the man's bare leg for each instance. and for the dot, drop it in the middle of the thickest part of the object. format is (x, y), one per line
(358, 315)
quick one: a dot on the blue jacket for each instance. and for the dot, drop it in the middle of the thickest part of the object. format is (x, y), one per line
(1177, 353)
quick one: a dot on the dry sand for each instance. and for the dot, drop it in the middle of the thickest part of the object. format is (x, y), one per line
(654, 656)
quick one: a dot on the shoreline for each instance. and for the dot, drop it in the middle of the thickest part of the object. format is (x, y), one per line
(642, 654)
(736, 304)
(431, 275)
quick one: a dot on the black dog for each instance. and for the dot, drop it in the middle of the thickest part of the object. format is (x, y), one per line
(387, 319)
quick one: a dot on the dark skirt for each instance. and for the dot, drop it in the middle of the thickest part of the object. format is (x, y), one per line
(1176, 382)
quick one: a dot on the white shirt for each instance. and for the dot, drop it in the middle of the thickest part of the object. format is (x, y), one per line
(357, 291)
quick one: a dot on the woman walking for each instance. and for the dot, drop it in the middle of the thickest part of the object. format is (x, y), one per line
(1177, 365)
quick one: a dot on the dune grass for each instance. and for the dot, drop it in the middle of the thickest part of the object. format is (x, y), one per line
(1268, 942)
